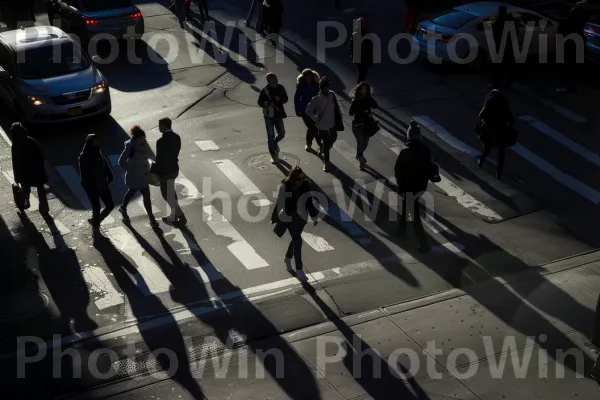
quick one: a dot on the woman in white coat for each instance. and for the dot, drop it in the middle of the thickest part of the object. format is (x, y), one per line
(135, 160)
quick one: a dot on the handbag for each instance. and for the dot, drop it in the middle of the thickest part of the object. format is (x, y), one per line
(280, 226)
(339, 122)
(269, 112)
(18, 196)
(371, 126)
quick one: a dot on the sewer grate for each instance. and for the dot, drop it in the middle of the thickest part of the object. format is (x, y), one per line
(227, 81)
(262, 161)
(21, 306)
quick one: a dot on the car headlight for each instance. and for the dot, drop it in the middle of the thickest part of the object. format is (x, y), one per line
(37, 100)
(99, 88)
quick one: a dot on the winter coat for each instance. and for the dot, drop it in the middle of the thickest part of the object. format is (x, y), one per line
(497, 117)
(363, 54)
(135, 161)
(28, 162)
(272, 16)
(303, 96)
(413, 168)
(280, 92)
(94, 169)
(168, 147)
(294, 205)
(361, 108)
(321, 109)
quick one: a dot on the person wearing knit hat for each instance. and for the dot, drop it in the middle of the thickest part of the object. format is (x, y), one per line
(414, 131)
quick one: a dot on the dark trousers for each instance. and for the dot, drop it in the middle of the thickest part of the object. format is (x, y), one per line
(311, 131)
(328, 138)
(95, 197)
(167, 190)
(412, 198)
(362, 72)
(295, 248)
(487, 149)
(41, 191)
(410, 20)
(145, 196)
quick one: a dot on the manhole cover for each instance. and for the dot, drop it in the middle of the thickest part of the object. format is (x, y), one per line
(22, 306)
(227, 81)
(262, 161)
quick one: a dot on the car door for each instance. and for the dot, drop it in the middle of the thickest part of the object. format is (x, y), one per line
(7, 89)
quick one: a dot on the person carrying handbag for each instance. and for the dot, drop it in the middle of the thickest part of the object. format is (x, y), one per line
(295, 204)
(364, 125)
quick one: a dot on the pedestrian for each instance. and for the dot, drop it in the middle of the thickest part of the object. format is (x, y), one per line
(572, 26)
(361, 49)
(410, 16)
(307, 87)
(96, 175)
(166, 167)
(272, 99)
(202, 7)
(503, 67)
(135, 161)
(178, 8)
(361, 106)
(413, 170)
(324, 110)
(28, 166)
(272, 19)
(295, 204)
(496, 128)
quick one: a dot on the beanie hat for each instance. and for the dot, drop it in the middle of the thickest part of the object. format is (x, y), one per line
(414, 131)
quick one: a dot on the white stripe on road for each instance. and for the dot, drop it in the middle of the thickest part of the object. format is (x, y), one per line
(565, 141)
(347, 151)
(33, 201)
(239, 248)
(241, 181)
(207, 145)
(149, 277)
(340, 217)
(446, 136)
(559, 109)
(318, 244)
(100, 286)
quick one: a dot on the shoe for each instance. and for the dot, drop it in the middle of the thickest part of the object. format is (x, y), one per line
(308, 148)
(26, 204)
(301, 275)
(181, 221)
(326, 167)
(124, 215)
(288, 264)
(273, 161)
(154, 223)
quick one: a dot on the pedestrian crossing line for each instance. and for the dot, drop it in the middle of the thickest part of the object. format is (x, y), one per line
(347, 151)
(573, 116)
(207, 145)
(545, 166)
(318, 244)
(565, 141)
(241, 181)
(33, 201)
(344, 220)
(240, 248)
(100, 286)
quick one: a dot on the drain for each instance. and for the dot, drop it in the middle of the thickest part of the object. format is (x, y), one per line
(227, 81)
(21, 306)
(262, 161)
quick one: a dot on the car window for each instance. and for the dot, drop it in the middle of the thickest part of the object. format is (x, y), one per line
(101, 5)
(453, 19)
(51, 60)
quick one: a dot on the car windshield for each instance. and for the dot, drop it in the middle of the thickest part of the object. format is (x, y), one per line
(102, 5)
(52, 60)
(453, 19)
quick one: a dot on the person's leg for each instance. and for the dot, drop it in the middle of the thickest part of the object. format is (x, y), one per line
(26, 189)
(484, 155)
(418, 224)
(366, 139)
(270, 125)
(109, 204)
(173, 201)
(180, 9)
(127, 199)
(43, 199)
(280, 127)
(297, 242)
(357, 130)
(188, 8)
(501, 158)
(402, 223)
(310, 130)
(95, 203)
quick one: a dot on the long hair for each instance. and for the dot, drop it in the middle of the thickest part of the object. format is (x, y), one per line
(358, 88)
(315, 76)
(293, 175)
(324, 83)
(137, 132)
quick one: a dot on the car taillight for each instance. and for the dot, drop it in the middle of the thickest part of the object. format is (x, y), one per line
(89, 21)
(136, 15)
(592, 30)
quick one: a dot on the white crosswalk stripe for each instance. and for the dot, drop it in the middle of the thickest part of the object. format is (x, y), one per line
(241, 181)
(106, 295)
(207, 145)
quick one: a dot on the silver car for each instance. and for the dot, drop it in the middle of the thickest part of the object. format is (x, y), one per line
(45, 77)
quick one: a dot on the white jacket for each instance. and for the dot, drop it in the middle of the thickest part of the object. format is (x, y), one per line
(321, 109)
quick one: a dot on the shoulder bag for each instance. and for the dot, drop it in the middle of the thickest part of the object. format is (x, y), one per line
(371, 125)
(339, 122)
(269, 112)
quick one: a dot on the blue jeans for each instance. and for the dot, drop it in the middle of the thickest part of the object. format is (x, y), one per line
(272, 125)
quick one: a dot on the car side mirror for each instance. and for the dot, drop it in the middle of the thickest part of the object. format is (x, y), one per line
(4, 74)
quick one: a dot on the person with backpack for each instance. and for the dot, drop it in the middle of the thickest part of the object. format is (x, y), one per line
(361, 49)
(307, 87)
(271, 100)
(134, 160)
(413, 171)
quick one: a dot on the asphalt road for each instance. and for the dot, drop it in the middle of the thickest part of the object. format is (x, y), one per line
(480, 228)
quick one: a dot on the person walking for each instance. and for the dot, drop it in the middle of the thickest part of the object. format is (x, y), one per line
(272, 99)
(496, 128)
(361, 49)
(96, 175)
(307, 87)
(135, 161)
(411, 13)
(572, 26)
(295, 204)
(503, 67)
(202, 7)
(166, 167)
(413, 170)
(272, 19)
(324, 110)
(28, 166)
(178, 7)
(361, 106)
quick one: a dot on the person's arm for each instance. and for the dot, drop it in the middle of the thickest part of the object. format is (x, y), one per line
(311, 108)
(373, 103)
(353, 108)
(284, 96)
(263, 99)
(279, 204)
(124, 157)
(297, 99)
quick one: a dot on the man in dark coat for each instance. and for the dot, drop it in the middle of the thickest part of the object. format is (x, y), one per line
(505, 66)
(28, 166)
(167, 168)
(413, 170)
(361, 49)
(96, 175)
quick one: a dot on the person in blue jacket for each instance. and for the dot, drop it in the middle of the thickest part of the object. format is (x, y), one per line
(307, 88)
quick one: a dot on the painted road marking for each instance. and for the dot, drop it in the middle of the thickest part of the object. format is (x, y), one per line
(241, 249)
(347, 151)
(241, 181)
(33, 201)
(149, 277)
(340, 217)
(316, 242)
(463, 198)
(101, 287)
(5, 137)
(446, 136)
(207, 145)
(559, 109)
(565, 141)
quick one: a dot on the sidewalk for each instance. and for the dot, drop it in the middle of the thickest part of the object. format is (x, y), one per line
(504, 339)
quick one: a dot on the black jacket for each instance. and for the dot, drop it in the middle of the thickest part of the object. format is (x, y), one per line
(28, 162)
(280, 92)
(167, 154)
(361, 108)
(94, 169)
(413, 168)
(498, 28)
(294, 205)
(497, 112)
(366, 50)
